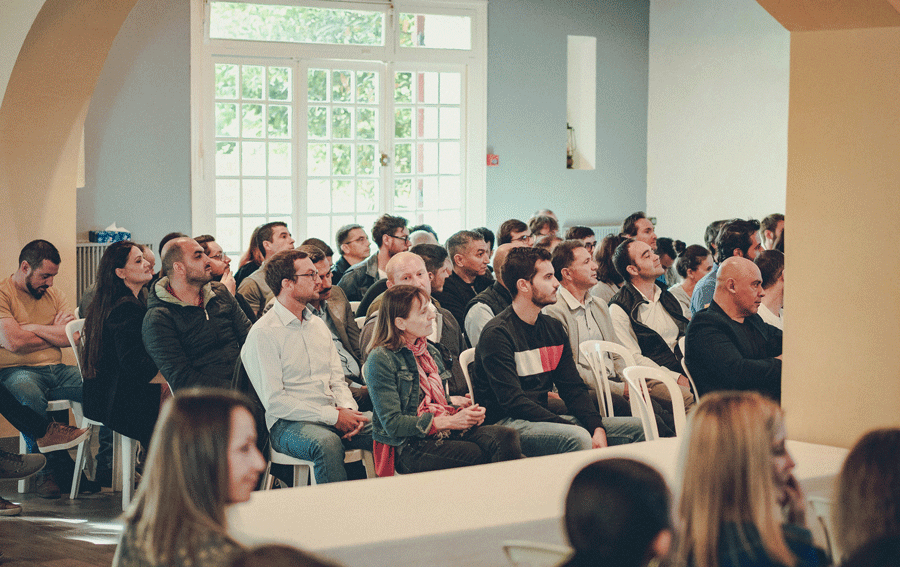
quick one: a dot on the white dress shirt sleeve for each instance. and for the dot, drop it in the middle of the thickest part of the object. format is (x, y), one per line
(626, 337)
(477, 317)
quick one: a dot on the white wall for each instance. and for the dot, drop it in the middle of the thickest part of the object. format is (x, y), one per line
(14, 25)
(717, 114)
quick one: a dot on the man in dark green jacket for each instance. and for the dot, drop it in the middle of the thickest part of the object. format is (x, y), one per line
(194, 328)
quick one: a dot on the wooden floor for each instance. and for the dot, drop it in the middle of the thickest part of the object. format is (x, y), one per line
(60, 533)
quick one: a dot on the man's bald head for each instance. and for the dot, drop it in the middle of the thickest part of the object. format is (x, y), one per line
(409, 269)
(173, 251)
(500, 257)
(738, 287)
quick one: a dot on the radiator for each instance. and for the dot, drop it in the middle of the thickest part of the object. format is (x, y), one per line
(87, 259)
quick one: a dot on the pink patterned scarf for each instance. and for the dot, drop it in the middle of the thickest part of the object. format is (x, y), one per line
(434, 400)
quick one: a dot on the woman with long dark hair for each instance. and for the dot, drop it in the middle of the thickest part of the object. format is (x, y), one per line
(122, 386)
(609, 281)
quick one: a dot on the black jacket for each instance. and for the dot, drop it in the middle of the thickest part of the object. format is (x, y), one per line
(457, 294)
(652, 345)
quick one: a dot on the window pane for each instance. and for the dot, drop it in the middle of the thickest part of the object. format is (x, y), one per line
(280, 159)
(450, 197)
(254, 196)
(280, 201)
(280, 83)
(279, 121)
(450, 123)
(428, 88)
(450, 88)
(228, 234)
(318, 196)
(228, 197)
(341, 123)
(252, 81)
(403, 87)
(427, 123)
(226, 120)
(430, 193)
(253, 158)
(365, 159)
(341, 86)
(295, 24)
(317, 88)
(403, 123)
(342, 196)
(366, 195)
(435, 31)
(366, 88)
(317, 160)
(252, 120)
(226, 158)
(366, 123)
(449, 157)
(318, 122)
(427, 161)
(403, 196)
(341, 159)
(403, 158)
(226, 81)
(319, 227)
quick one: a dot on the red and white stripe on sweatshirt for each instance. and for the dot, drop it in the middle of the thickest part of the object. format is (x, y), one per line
(538, 360)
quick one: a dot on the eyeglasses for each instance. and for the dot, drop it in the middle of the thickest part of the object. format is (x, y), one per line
(590, 246)
(403, 238)
(220, 256)
(523, 238)
(362, 238)
(314, 275)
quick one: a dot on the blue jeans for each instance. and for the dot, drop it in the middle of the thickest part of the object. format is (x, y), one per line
(546, 438)
(321, 444)
(32, 386)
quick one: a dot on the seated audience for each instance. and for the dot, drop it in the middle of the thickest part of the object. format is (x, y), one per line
(424, 228)
(323, 246)
(545, 213)
(585, 234)
(728, 346)
(771, 269)
(522, 355)
(194, 328)
(608, 279)
(353, 243)
(221, 271)
(867, 500)
(392, 237)
(737, 238)
(647, 319)
(416, 426)
(33, 318)
(770, 229)
(516, 232)
(668, 250)
(122, 385)
(295, 369)
(273, 237)
(490, 302)
(437, 262)
(274, 555)
(250, 260)
(203, 458)
(408, 268)
(542, 225)
(640, 228)
(548, 242)
(737, 484)
(469, 255)
(88, 295)
(710, 235)
(617, 513)
(692, 264)
(489, 238)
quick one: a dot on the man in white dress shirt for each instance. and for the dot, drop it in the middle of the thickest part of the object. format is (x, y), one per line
(647, 319)
(294, 366)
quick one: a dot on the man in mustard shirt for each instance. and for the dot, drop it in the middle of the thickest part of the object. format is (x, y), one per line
(33, 317)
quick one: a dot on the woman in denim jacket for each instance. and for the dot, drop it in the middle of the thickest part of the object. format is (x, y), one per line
(416, 425)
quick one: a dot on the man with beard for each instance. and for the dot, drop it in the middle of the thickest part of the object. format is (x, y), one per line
(33, 317)
(221, 270)
(523, 354)
(194, 328)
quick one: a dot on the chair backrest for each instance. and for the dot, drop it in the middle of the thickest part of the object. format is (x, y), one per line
(637, 377)
(534, 554)
(595, 353)
(360, 322)
(466, 358)
(75, 334)
(354, 305)
(821, 507)
(686, 371)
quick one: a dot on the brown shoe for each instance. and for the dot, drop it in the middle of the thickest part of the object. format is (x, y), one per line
(7, 508)
(17, 467)
(61, 436)
(47, 487)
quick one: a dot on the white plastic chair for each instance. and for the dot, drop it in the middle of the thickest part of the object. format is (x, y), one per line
(594, 351)
(354, 305)
(465, 359)
(821, 507)
(534, 554)
(360, 322)
(686, 372)
(304, 471)
(637, 377)
(24, 485)
(122, 445)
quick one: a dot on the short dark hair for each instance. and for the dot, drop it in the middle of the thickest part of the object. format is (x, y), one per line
(539, 222)
(425, 227)
(320, 244)
(488, 235)
(386, 224)
(521, 264)
(622, 258)
(281, 267)
(769, 223)
(579, 232)
(203, 240)
(712, 231)
(771, 266)
(548, 241)
(690, 259)
(564, 255)
(171, 236)
(504, 234)
(266, 233)
(735, 234)
(36, 251)
(606, 270)
(629, 225)
(434, 255)
(343, 233)
(313, 252)
(457, 243)
(669, 247)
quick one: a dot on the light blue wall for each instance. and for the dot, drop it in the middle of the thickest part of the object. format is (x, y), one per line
(137, 134)
(527, 43)
(137, 131)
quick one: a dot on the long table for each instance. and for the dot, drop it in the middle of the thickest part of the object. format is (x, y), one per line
(367, 522)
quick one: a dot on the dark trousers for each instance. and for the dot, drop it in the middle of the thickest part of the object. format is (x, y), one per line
(475, 446)
(21, 416)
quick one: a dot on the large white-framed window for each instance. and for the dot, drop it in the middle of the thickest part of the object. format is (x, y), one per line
(367, 108)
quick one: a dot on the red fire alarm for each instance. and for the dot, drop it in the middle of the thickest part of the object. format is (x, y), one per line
(493, 160)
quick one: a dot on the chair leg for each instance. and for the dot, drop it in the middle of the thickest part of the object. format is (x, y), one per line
(304, 475)
(267, 480)
(368, 460)
(25, 483)
(117, 461)
(80, 456)
(128, 461)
